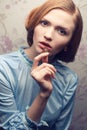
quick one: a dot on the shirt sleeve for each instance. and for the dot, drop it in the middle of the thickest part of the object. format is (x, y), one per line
(10, 117)
(65, 117)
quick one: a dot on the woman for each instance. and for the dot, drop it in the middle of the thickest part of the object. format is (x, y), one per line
(36, 90)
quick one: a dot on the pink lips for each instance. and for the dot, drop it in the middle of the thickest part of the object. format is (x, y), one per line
(44, 45)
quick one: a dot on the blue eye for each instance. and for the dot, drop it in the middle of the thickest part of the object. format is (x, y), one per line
(62, 31)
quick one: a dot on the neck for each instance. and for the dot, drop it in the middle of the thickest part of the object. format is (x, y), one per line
(31, 54)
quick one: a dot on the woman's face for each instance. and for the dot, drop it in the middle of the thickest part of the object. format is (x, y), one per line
(53, 32)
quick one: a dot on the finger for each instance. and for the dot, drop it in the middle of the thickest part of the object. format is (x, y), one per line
(46, 71)
(49, 72)
(46, 65)
(45, 59)
(38, 58)
(46, 74)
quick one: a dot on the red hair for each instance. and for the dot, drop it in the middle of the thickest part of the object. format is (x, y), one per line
(67, 5)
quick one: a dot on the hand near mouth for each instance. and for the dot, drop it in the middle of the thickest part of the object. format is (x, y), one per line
(45, 59)
(43, 73)
(45, 46)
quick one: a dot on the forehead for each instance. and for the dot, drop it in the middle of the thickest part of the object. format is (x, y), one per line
(58, 16)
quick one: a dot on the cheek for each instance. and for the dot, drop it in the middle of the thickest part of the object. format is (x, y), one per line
(37, 33)
(61, 42)
(58, 49)
(59, 46)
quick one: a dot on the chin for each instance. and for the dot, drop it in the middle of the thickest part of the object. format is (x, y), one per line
(39, 51)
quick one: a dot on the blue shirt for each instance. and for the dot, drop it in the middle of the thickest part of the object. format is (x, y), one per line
(18, 90)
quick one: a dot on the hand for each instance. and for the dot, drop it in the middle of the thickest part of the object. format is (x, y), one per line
(43, 73)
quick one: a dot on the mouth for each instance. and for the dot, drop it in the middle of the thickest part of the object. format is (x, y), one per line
(45, 45)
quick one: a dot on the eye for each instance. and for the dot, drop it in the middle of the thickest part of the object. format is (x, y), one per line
(61, 31)
(44, 22)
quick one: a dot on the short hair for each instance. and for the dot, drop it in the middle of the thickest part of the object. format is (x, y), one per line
(67, 5)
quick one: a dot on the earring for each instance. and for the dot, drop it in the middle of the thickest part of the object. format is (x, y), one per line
(65, 49)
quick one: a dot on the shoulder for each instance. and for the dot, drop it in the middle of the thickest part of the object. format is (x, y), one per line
(65, 71)
(66, 77)
(67, 81)
(8, 61)
(8, 57)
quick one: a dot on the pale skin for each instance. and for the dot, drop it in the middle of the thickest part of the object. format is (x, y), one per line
(52, 34)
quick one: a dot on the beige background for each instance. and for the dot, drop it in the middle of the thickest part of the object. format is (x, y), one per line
(13, 35)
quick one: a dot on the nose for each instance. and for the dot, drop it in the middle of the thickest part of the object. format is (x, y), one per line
(48, 34)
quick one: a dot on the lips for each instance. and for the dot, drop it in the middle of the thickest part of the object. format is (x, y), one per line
(44, 45)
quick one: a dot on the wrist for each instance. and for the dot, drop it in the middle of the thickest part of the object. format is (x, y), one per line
(44, 95)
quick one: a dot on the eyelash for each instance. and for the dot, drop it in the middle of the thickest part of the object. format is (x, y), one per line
(62, 31)
(59, 30)
(43, 22)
